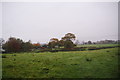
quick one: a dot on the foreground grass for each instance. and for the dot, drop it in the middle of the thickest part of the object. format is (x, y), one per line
(73, 64)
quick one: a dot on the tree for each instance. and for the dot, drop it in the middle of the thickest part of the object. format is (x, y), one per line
(89, 42)
(68, 44)
(54, 42)
(27, 46)
(61, 43)
(67, 40)
(36, 45)
(44, 46)
(69, 36)
(12, 45)
(17, 45)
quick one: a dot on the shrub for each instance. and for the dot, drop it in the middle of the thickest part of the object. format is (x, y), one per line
(4, 56)
(92, 48)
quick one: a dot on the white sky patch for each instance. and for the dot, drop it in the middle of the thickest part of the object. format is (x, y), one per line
(39, 21)
(59, 0)
(0, 20)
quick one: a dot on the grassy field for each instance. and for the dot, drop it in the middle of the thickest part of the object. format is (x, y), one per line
(98, 45)
(72, 64)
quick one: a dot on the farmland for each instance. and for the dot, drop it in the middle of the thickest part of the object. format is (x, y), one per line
(98, 45)
(70, 64)
(64, 39)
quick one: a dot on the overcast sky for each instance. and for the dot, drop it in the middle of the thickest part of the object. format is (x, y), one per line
(39, 22)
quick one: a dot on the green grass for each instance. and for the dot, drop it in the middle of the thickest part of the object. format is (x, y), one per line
(72, 64)
(98, 45)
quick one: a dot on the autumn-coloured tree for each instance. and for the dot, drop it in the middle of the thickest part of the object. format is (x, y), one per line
(53, 43)
(36, 45)
(54, 40)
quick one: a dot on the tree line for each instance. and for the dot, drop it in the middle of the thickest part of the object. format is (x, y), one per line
(18, 45)
(102, 42)
(66, 42)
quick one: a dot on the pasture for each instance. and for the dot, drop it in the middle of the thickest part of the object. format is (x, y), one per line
(97, 45)
(71, 64)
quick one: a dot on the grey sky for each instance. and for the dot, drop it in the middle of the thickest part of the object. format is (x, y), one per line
(0, 20)
(39, 22)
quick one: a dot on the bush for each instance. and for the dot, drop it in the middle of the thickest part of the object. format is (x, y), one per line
(61, 49)
(54, 50)
(92, 48)
(3, 56)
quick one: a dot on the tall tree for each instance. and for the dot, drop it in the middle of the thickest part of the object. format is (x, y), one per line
(68, 40)
(16, 45)
(69, 36)
(53, 43)
(12, 45)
